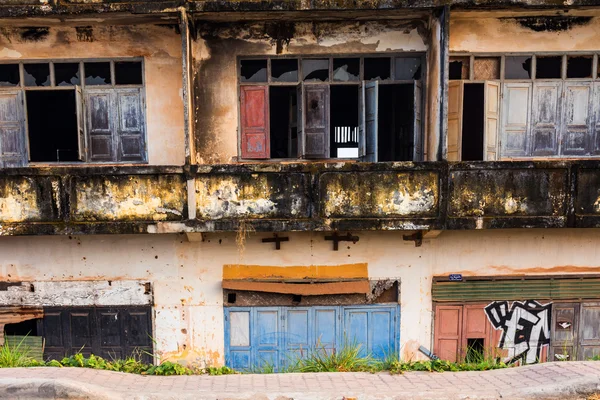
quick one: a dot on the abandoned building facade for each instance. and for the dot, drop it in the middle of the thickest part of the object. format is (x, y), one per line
(243, 182)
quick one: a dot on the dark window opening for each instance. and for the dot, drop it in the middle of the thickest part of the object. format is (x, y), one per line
(283, 122)
(579, 67)
(36, 74)
(377, 68)
(459, 68)
(473, 122)
(254, 70)
(52, 125)
(346, 69)
(66, 74)
(231, 298)
(97, 73)
(548, 67)
(296, 298)
(518, 67)
(128, 73)
(408, 68)
(315, 70)
(24, 328)
(284, 70)
(395, 138)
(344, 122)
(9, 75)
(475, 350)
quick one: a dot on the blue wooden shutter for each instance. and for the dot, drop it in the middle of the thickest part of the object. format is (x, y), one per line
(267, 335)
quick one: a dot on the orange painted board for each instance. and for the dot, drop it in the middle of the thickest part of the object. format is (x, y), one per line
(260, 272)
(306, 289)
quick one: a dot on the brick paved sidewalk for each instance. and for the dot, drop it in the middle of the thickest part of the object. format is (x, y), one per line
(567, 380)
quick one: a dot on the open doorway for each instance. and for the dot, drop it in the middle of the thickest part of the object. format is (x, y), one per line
(396, 122)
(344, 122)
(283, 120)
(473, 122)
(52, 125)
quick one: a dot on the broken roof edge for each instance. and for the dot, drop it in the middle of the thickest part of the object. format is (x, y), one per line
(107, 8)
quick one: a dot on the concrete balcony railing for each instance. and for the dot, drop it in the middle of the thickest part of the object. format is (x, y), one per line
(297, 197)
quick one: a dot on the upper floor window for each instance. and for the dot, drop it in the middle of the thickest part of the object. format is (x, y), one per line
(523, 106)
(72, 111)
(321, 107)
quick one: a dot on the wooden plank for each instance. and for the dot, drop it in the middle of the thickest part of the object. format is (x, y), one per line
(308, 289)
(338, 272)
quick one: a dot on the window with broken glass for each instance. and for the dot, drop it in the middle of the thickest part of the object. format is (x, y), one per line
(314, 107)
(518, 105)
(71, 111)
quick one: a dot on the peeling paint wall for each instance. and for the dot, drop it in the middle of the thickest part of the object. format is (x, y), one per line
(186, 276)
(219, 45)
(159, 46)
(512, 34)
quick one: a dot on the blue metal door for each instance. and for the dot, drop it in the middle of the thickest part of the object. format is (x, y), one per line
(275, 337)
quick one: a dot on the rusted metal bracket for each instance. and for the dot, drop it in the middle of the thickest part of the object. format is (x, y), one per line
(337, 239)
(416, 237)
(277, 240)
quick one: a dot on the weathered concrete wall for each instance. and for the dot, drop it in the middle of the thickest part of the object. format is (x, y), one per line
(186, 276)
(470, 33)
(219, 45)
(161, 49)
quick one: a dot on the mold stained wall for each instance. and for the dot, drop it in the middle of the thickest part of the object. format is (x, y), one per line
(159, 46)
(488, 34)
(219, 45)
(186, 276)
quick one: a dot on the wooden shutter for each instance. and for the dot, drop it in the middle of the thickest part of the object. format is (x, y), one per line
(455, 119)
(371, 97)
(81, 139)
(515, 119)
(362, 118)
(564, 331)
(300, 120)
(576, 131)
(491, 123)
(316, 121)
(12, 132)
(130, 124)
(447, 336)
(545, 118)
(589, 331)
(254, 121)
(100, 141)
(595, 145)
(417, 123)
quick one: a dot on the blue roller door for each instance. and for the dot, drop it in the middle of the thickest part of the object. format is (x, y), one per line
(277, 336)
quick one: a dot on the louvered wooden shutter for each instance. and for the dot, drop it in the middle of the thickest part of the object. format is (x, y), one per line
(130, 125)
(316, 121)
(254, 121)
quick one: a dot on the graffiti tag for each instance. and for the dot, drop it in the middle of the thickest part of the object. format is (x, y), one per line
(525, 326)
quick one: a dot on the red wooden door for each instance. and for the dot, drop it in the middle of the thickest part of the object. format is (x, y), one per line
(254, 121)
(448, 324)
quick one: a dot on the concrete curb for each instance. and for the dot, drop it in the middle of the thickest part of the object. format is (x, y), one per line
(576, 388)
(39, 388)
